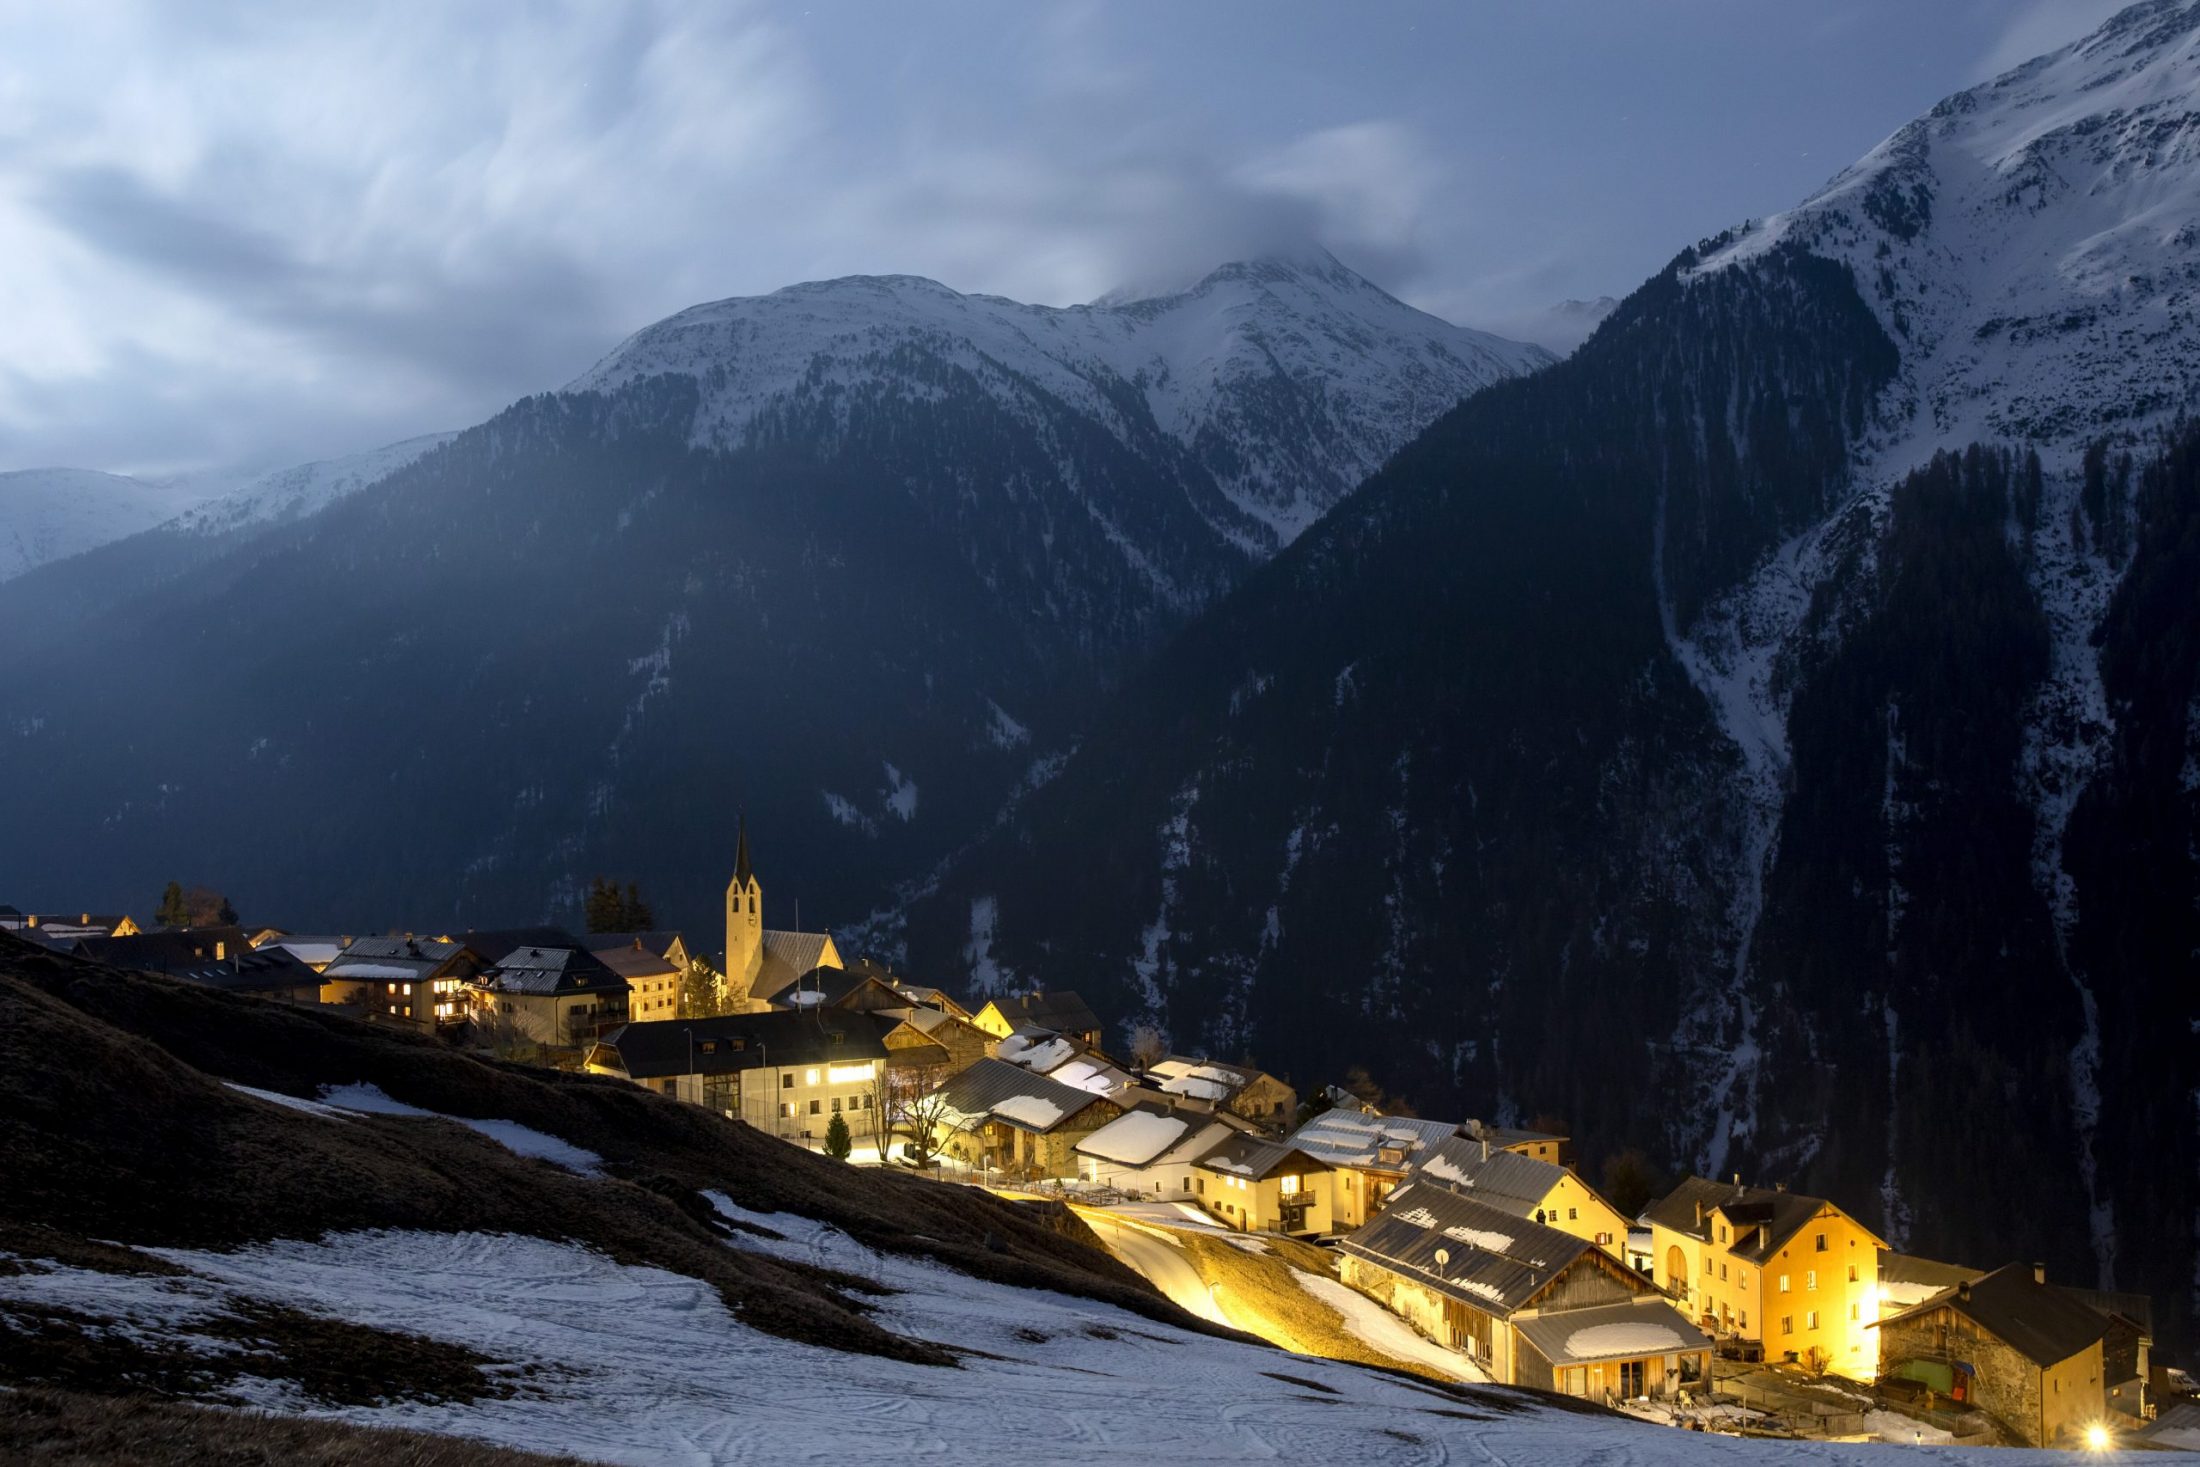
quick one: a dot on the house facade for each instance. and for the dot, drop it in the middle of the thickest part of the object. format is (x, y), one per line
(1060, 1011)
(416, 983)
(786, 1074)
(547, 990)
(1794, 1273)
(1533, 1305)
(999, 1115)
(1152, 1149)
(1257, 1185)
(1371, 1154)
(2018, 1348)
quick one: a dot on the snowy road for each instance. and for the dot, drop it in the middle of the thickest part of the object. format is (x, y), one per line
(1159, 1257)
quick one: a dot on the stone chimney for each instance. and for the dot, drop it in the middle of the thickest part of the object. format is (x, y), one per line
(1699, 1212)
(1963, 1290)
(2039, 1273)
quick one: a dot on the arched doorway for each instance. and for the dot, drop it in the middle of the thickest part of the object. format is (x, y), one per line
(1676, 1270)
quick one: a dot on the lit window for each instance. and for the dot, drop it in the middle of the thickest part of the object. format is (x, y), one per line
(1783, 1283)
(1821, 1242)
(786, 1109)
(1288, 1186)
(408, 990)
(1810, 1320)
(809, 1077)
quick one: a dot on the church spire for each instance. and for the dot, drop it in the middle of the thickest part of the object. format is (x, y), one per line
(741, 868)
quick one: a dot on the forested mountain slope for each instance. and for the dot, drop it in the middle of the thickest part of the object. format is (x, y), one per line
(1673, 744)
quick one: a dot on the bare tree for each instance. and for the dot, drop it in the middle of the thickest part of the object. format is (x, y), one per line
(917, 1103)
(1149, 1046)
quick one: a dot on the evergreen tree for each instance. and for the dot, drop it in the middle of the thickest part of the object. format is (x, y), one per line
(638, 916)
(605, 911)
(172, 912)
(837, 1142)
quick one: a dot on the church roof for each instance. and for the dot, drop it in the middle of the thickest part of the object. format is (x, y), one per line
(789, 955)
(743, 873)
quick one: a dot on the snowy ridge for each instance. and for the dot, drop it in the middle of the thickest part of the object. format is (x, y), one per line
(52, 514)
(305, 489)
(2033, 244)
(1199, 365)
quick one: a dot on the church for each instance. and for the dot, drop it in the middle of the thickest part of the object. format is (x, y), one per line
(762, 963)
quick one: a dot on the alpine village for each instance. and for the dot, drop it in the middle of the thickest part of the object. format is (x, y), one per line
(1707, 1304)
(1024, 732)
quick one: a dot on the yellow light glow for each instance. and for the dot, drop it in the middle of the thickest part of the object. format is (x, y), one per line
(2096, 1438)
(809, 1077)
(845, 1074)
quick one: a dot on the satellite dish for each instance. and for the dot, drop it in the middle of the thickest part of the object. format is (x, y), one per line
(1443, 1257)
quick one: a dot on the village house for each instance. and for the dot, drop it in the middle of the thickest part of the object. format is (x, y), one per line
(1239, 1089)
(962, 1042)
(1535, 1306)
(653, 980)
(997, 1115)
(1795, 1273)
(1258, 1185)
(542, 986)
(419, 983)
(1152, 1149)
(2010, 1344)
(1535, 1145)
(1060, 1012)
(761, 962)
(2126, 1350)
(1540, 1191)
(787, 1074)
(1371, 1154)
(1061, 1058)
(215, 957)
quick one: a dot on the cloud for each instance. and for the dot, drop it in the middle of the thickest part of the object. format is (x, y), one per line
(2042, 26)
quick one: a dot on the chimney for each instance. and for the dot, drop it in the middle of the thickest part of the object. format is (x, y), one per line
(1699, 1212)
(1963, 1290)
(2039, 1273)
(1485, 1147)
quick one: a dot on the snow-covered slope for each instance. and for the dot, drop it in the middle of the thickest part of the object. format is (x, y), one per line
(1292, 378)
(304, 489)
(2033, 244)
(50, 514)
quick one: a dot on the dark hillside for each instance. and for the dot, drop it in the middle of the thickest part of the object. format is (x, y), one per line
(117, 1127)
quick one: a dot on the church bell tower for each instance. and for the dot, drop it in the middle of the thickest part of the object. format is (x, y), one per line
(744, 922)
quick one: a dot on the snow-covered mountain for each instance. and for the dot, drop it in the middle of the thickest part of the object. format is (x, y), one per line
(1743, 755)
(1290, 378)
(1559, 328)
(51, 514)
(2033, 244)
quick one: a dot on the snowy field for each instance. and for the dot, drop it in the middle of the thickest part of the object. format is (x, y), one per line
(637, 1365)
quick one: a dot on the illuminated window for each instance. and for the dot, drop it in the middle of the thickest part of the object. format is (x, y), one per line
(1783, 1283)
(786, 1109)
(1821, 1242)
(408, 990)
(1810, 1320)
(809, 1077)
(1289, 1186)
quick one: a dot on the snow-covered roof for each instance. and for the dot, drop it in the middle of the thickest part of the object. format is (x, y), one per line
(1037, 1050)
(1464, 1247)
(1135, 1137)
(994, 1090)
(1631, 1331)
(1351, 1138)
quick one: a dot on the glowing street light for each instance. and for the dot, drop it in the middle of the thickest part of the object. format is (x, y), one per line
(2097, 1438)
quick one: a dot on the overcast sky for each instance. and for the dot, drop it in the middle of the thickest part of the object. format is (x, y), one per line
(239, 234)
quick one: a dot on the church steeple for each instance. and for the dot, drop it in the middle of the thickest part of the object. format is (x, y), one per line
(744, 921)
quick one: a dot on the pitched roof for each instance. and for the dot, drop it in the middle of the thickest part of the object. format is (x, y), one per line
(993, 1090)
(1256, 1157)
(1060, 1010)
(657, 1048)
(493, 944)
(252, 970)
(787, 956)
(2044, 1323)
(1762, 1219)
(1630, 1331)
(546, 971)
(1508, 1135)
(1202, 1079)
(659, 943)
(743, 873)
(1492, 1260)
(634, 962)
(169, 950)
(1136, 1137)
(1354, 1138)
(1505, 1179)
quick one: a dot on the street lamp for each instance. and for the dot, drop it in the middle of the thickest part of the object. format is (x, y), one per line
(2097, 1438)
